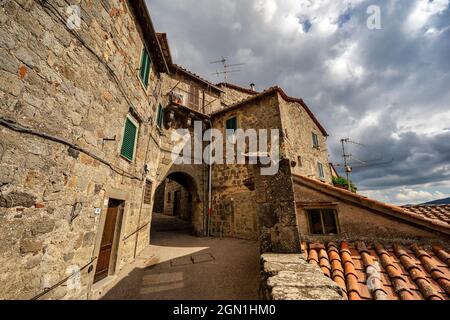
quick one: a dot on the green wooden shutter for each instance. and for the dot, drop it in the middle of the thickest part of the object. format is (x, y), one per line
(232, 124)
(145, 67)
(129, 139)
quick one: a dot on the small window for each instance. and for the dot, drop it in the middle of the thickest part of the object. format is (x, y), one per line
(322, 221)
(148, 192)
(129, 139)
(144, 73)
(315, 140)
(160, 116)
(320, 170)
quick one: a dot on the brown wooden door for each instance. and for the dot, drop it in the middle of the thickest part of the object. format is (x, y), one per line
(104, 256)
(177, 203)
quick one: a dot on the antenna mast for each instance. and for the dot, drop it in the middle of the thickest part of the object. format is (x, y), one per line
(226, 68)
(347, 168)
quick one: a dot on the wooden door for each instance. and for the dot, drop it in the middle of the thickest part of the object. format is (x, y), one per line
(104, 256)
(177, 203)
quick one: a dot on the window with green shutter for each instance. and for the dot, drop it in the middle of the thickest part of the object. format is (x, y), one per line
(231, 124)
(144, 72)
(129, 139)
(231, 127)
(160, 116)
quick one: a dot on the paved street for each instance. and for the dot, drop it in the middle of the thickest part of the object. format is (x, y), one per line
(179, 266)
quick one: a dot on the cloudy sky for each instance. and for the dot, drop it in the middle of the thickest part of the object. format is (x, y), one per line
(388, 88)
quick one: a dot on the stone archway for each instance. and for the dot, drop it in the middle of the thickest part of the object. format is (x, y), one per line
(190, 178)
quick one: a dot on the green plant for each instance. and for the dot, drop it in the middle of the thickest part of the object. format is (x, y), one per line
(343, 183)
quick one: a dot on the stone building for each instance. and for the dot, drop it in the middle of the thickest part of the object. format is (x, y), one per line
(80, 142)
(88, 113)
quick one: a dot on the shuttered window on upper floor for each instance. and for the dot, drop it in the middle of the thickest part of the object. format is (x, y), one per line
(129, 139)
(231, 124)
(144, 73)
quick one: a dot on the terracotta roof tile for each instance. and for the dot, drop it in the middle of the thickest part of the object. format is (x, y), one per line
(431, 267)
(351, 277)
(444, 256)
(324, 263)
(435, 212)
(366, 270)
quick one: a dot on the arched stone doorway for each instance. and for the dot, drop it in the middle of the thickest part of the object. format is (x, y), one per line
(180, 196)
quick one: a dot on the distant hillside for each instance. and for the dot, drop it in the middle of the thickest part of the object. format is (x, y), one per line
(441, 201)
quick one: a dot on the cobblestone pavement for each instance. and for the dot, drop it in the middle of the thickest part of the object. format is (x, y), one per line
(179, 266)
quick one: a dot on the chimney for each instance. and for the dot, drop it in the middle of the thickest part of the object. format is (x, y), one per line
(252, 86)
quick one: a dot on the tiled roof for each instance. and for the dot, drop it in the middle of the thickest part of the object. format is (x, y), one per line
(383, 272)
(196, 76)
(164, 43)
(236, 87)
(434, 222)
(438, 212)
(269, 92)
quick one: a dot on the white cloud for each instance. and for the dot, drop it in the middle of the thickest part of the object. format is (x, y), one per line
(408, 195)
(344, 68)
(422, 12)
(405, 195)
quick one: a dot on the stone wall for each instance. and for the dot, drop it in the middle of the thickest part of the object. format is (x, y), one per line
(232, 96)
(185, 210)
(297, 128)
(77, 86)
(233, 186)
(290, 277)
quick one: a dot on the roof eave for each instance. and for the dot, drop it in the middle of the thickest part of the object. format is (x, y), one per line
(143, 17)
(387, 209)
(191, 75)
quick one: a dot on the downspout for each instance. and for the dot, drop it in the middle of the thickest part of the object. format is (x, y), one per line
(210, 183)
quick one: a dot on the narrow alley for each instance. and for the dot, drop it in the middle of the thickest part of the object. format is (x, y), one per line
(179, 266)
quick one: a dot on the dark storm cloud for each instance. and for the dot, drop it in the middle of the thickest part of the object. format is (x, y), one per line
(388, 88)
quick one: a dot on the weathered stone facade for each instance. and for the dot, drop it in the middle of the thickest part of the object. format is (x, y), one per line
(66, 95)
(177, 200)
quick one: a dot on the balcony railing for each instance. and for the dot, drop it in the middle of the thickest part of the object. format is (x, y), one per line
(181, 97)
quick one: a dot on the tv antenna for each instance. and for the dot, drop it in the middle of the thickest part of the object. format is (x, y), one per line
(346, 157)
(226, 68)
(349, 165)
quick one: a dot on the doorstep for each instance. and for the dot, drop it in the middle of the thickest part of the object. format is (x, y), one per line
(100, 288)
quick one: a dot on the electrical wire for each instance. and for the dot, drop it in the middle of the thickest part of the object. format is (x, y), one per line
(22, 129)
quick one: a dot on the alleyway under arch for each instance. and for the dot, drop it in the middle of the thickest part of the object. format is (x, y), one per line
(179, 266)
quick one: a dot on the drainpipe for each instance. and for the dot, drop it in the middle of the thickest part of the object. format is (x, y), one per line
(210, 184)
